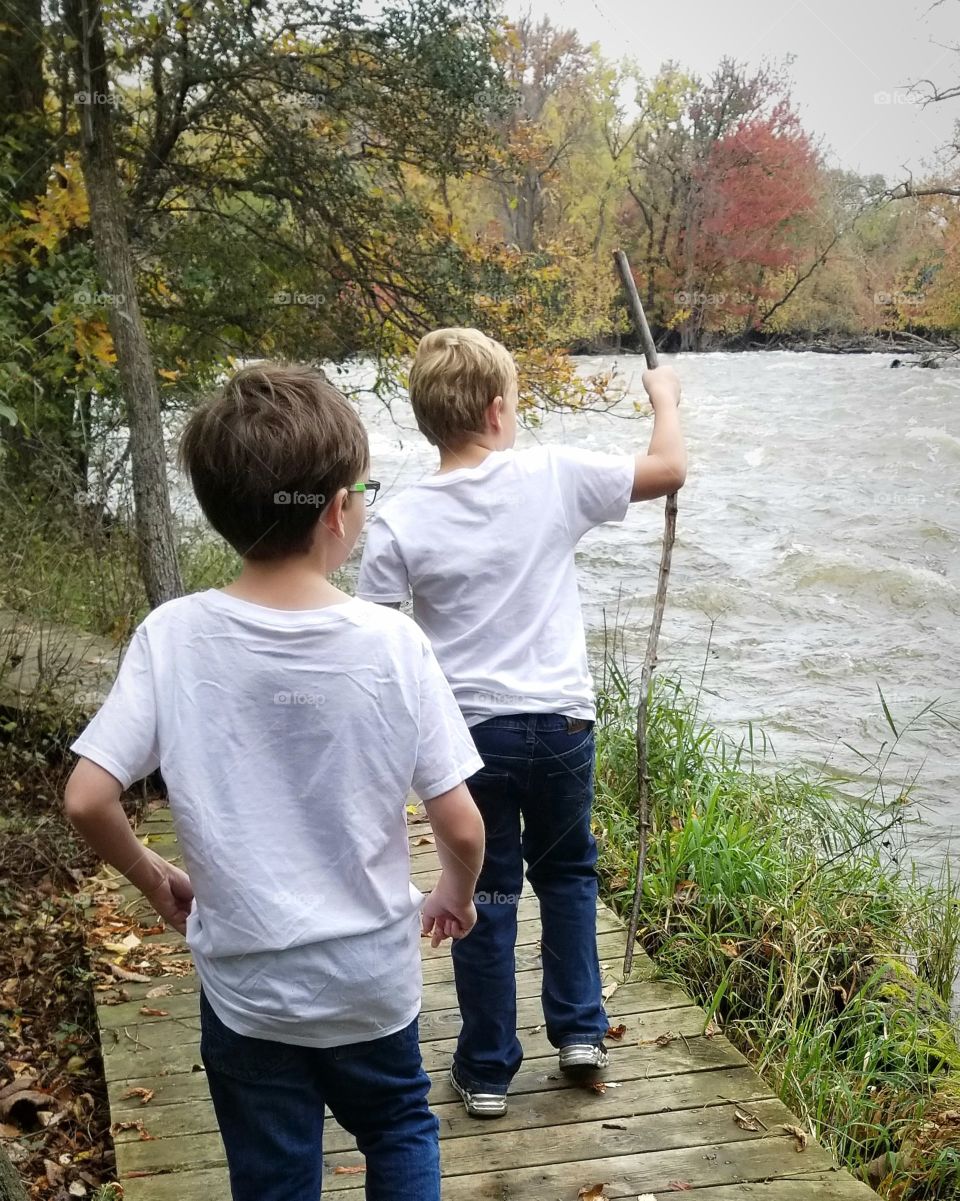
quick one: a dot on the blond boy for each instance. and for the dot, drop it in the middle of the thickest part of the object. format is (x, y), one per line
(486, 549)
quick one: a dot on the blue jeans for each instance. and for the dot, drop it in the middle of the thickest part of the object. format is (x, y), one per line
(537, 770)
(269, 1099)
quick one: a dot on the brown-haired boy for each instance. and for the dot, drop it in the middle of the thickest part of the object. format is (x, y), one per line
(486, 546)
(290, 721)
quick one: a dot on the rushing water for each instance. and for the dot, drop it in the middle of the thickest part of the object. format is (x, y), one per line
(818, 535)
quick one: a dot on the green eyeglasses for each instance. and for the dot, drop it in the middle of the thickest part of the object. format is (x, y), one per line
(370, 488)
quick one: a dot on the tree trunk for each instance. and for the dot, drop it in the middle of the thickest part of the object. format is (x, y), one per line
(11, 1186)
(154, 522)
(22, 91)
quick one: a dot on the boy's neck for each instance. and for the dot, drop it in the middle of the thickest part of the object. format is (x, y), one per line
(467, 454)
(285, 584)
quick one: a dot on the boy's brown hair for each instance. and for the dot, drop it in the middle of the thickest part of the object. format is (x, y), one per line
(456, 373)
(267, 455)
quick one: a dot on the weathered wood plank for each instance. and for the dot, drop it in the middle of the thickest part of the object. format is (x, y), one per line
(629, 1176)
(172, 1046)
(181, 1082)
(439, 996)
(683, 1087)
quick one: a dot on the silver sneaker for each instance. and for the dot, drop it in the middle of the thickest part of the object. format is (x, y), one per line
(479, 1105)
(583, 1057)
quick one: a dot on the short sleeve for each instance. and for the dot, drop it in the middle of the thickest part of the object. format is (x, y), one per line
(122, 737)
(594, 487)
(383, 574)
(446, 755)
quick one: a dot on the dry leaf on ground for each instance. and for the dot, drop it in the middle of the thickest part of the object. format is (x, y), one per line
(746, 1121)
(592, 1192)
(146, 1095)
(344, 1170)
(799, 1135)
(616, 1032)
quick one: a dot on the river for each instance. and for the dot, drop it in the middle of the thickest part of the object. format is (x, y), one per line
(818, 537)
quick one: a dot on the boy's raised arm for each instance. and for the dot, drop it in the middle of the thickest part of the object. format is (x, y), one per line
(663, 468)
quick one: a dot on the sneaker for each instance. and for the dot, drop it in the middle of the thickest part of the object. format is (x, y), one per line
(582, 1057)
(479, 1105)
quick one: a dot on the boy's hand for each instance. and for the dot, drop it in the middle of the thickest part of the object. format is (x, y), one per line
(662, 385)
(172, 895)
(444, 916)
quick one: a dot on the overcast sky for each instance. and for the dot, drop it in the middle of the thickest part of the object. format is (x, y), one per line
(850, 56)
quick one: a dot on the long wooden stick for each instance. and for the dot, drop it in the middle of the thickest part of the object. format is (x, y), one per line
(650, 659)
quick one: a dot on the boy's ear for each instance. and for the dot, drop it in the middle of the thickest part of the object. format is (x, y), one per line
(332, 515)
(495, 414)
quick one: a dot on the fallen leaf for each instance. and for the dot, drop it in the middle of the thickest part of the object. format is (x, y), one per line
(154, 1013)
(616, 1032)
(425, 841)
(799, 1135)
(610, 989)
(146, 1095)
(712, 1030)
(592, 1192)
(730, 949)
(343, 1170)
(597, 1086)
(77, 1189)
(131, 977)
(679, 1186)
(746, 1121)
(646, 1197)
(662, 1040)
(162, 990)
(613, 1126)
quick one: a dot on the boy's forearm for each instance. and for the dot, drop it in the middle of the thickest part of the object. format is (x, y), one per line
(666, 441)
(458, 831)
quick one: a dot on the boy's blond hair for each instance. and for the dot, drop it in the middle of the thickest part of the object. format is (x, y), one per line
(456, 373)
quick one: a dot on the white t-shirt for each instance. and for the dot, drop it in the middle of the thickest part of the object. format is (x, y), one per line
(289, 741)
(487, 552)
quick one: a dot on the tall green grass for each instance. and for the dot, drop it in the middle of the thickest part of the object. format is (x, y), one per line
(793, 915)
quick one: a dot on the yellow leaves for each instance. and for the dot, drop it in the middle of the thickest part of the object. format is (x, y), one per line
(92, 340)
(61, 209)
(173, 376)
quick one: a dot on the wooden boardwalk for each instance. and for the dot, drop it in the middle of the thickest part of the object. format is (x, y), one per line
(681, 1109)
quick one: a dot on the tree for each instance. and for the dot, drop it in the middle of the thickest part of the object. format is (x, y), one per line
(722, 171)
(156, 543)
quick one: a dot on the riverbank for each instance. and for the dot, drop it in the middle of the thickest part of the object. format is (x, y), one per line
(927, 350)
(795, 918)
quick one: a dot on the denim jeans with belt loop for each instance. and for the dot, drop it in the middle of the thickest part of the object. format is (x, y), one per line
(535, 793)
